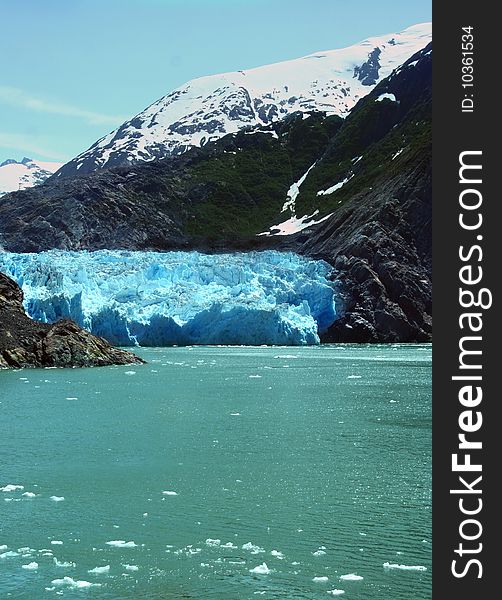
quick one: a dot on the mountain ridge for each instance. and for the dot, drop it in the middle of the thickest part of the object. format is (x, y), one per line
(207, 108)
(16, 175)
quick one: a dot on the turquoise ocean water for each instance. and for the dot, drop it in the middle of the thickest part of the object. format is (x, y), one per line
(220, 473)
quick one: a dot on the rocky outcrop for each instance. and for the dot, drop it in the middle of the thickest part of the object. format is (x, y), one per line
(382, 263)
(28, 343)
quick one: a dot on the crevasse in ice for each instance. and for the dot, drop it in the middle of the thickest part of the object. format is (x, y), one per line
(159, 299)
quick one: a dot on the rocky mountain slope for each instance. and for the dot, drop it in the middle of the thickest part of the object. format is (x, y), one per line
(355, 192)
(208, 108)
(28, 343)
(26, 173)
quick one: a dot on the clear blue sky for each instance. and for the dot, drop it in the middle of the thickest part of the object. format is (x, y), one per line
(72, 70)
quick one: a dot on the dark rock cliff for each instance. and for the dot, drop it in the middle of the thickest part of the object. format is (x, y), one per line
(28, 343)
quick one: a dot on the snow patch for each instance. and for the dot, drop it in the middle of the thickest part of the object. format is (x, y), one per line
(335, 187)
(386, 96)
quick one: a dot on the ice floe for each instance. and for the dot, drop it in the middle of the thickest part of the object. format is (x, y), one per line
(62, 564)
(254, 549)
(100, 570)
(121, 544)
(391, 566)
(11, 487)
(71, 583)
(261, 569)
(33, 566)
(351, 577)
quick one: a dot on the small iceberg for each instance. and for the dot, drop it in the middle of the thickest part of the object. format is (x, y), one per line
(121, 544)
(351, 577)
(261, 569)
(395, 566)
(71, 583)
(100, 570)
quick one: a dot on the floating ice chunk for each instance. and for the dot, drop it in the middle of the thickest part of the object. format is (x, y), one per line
(322, 579)
(236, 414)
(253, 548)
(3, 547)
(29, 494)
(33, 566)
(391, 566)
(351, 577)
(100, 570)
(71, 583)
(319, 552)
(229, 545)
(71, 398)
(63, 564)
(57, 498)
(9, 554)
(354, 377)
(336, 592)
(211, 542)
(130, 373)
(11, 487)
(390, 97)
(255, 377)
(121, 544)
(169, 493)
(130, 567)
(56, 542)
(277, 554)
(261, 569)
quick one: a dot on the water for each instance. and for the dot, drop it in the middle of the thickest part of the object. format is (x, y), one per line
(321, 454)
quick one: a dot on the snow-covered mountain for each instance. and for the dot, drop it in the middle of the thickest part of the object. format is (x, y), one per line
(16, 175)
(210, 107)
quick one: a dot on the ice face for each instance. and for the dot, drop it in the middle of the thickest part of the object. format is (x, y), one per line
(161, 299)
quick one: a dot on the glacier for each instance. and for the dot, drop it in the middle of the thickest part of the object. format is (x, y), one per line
(179, 298)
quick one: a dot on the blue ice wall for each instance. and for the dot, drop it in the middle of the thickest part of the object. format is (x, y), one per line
(159, 299)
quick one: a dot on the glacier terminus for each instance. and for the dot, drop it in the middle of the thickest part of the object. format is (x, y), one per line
(180, 298)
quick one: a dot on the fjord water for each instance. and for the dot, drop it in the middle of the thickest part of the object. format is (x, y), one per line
(207, 462)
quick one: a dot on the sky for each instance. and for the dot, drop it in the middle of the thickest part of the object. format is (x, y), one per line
(73, 70)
